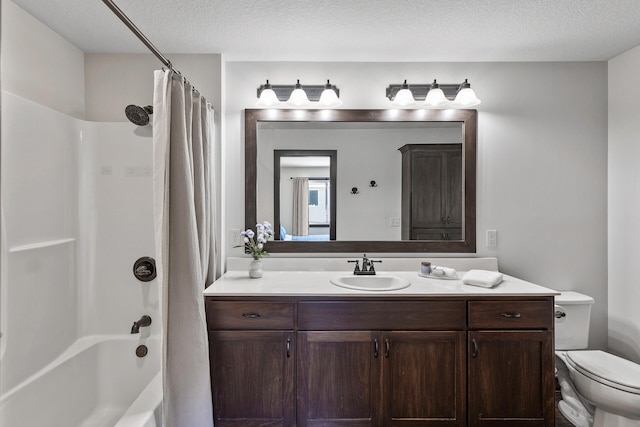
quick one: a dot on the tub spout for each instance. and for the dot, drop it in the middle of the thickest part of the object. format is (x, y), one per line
(144, 321)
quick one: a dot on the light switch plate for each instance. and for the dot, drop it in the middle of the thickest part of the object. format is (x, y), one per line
(492, 238)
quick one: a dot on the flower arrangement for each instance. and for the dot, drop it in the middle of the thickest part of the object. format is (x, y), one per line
(254, 242)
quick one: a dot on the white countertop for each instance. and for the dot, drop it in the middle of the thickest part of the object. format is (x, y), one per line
(317, 283)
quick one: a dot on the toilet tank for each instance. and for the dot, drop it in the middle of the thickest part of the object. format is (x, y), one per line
(572, 316)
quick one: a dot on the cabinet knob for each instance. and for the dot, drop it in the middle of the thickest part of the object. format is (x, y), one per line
(474, 353)
(288, 347)
(376, 348)
(387, 348)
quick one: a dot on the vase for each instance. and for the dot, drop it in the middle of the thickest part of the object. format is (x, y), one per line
(255, 269)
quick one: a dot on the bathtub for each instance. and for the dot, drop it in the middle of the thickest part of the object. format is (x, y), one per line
(97, 382)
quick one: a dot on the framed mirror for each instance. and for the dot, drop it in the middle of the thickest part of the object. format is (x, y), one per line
(406, 180)
(304, 202)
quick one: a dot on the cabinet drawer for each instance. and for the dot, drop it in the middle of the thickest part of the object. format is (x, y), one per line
(401, 315)
(249, 315)
(510, 314)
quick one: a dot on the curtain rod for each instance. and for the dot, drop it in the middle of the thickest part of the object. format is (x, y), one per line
(125, 19)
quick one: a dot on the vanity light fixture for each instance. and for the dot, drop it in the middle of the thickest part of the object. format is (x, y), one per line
(434, 95)
(403, 97)
(298, 96)
(329, 97)
(465, 97)
(268, 97)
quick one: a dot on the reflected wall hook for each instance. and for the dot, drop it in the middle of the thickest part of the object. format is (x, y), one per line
(373, 184)
(354, 190)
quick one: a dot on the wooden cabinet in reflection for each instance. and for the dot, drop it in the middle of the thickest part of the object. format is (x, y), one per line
(432, 199)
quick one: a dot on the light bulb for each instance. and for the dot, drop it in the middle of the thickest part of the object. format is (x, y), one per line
(466, 97)
(404, 97)
(298, 97)
(329, 98)
(435, 97)
(268, 97)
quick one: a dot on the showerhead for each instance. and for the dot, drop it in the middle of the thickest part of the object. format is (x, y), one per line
(138, 115)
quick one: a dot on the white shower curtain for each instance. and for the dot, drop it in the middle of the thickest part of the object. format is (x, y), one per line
(184, 219)
(300, 225)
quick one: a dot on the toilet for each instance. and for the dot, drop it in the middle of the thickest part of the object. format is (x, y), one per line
(598, 388)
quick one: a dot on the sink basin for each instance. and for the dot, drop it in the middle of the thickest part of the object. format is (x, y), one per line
(371, 283)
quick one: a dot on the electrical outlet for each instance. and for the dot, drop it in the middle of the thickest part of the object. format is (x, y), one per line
(394, 221)
(106, 170)
(492, 238)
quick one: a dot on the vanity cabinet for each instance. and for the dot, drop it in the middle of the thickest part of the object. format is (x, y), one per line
(251, 347)
(381, 363)
(432, 192)
(392, 362)
(510, 364)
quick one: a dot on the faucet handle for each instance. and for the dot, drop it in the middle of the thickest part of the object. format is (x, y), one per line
(357, 268)
(371, 261)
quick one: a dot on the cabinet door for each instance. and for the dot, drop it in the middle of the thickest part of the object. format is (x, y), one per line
(252, 378)
(427, 170)
(338, 381)
(511, 378)
(454, 194)
(424, 377)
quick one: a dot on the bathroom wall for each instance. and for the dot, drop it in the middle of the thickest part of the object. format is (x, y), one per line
(624, 205)
(542, 158)
(40, 65)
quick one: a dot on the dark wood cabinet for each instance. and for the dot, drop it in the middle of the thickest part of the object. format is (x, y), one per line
(424, 378)
(252, 365)
(338, 379)
(389, 362)
(511, 364)
(432, 196)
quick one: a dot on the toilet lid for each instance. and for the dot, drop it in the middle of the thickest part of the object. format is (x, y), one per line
(607, 369)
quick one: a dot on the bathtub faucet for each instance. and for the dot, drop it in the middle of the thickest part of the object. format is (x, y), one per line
(144, 321)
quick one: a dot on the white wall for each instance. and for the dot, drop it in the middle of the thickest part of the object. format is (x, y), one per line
(40, 65)
(542, 157)
(624, 205)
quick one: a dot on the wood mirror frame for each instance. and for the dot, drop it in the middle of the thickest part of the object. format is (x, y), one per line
(468, 118)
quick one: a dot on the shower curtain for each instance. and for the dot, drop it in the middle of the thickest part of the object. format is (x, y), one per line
(183, 215)
(300, 224)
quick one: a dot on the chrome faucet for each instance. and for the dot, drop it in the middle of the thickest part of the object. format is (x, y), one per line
(367, 266)
(144, 321)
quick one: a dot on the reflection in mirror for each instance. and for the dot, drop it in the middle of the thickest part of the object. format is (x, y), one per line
(426, 205)
(304, 197)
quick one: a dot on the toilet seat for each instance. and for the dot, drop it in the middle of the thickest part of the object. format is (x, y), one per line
(606, 369)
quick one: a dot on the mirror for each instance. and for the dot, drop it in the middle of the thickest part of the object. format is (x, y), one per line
(378, 171)
(304, 202)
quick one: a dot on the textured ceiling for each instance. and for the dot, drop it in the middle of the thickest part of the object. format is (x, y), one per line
(355, 30)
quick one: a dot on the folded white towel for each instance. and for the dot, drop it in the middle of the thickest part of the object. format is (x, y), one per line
(438, 270)
(484, 278)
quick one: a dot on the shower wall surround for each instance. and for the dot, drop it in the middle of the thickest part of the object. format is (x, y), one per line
(73, 221)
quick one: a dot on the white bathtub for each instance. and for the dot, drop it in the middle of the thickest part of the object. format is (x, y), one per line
(97, 382)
